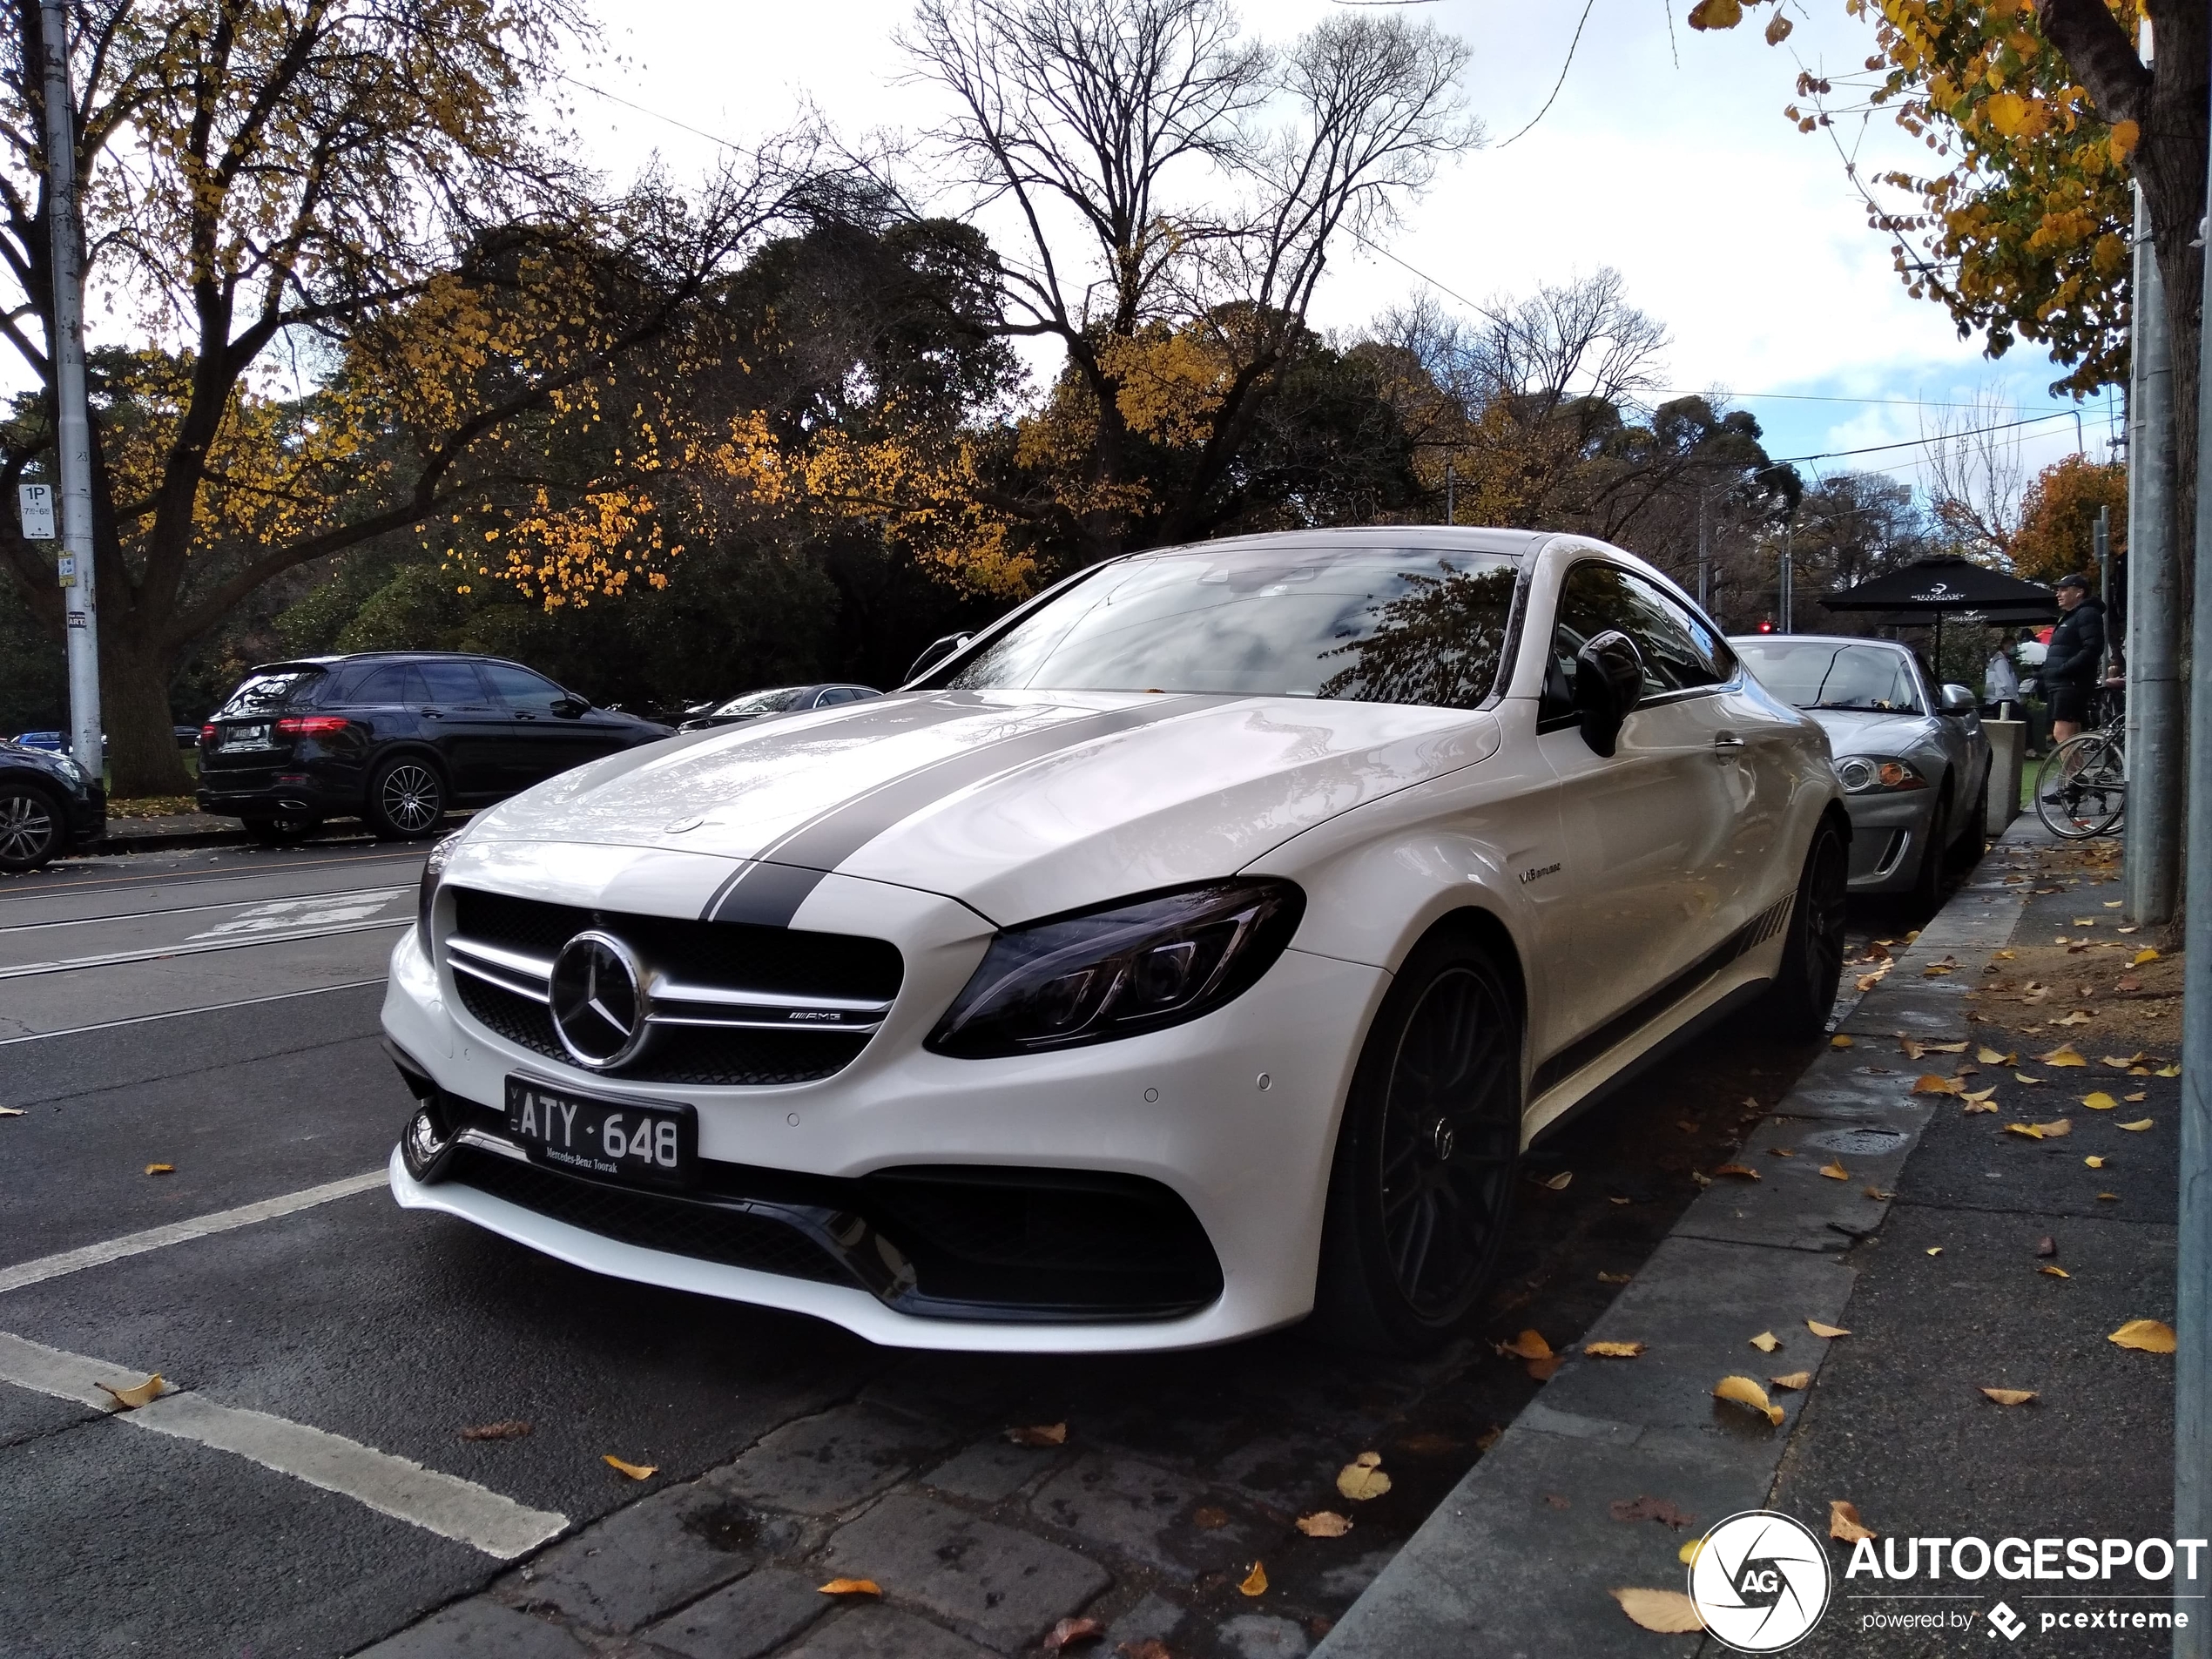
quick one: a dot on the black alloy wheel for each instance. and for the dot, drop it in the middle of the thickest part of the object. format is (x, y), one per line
(406, 799)
(281, 831)
(1421, 1190)
(1804, 993)
(30, 828)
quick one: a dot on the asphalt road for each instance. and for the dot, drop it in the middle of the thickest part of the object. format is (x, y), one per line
(215, 1011)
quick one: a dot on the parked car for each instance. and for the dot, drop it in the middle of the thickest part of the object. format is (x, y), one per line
(1912, 758)
(781, 699)
(394, 738)
(48, 804)
(1200, 944)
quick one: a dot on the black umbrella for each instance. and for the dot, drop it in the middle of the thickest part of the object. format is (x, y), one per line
(1927, 591)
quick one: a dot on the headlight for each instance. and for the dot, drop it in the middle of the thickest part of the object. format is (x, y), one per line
(426, 896)
(69, 769)
(1113, 972)
(1873, 774)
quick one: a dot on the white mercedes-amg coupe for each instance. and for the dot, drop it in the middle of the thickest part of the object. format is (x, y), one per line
(1194, 950)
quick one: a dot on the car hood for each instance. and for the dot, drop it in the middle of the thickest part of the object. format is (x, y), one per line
(1868, 732)
(1017, 803)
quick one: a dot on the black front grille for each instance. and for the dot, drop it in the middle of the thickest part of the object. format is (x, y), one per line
(774, 961)
(704, 1231)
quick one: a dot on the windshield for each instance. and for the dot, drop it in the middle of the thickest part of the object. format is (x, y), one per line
(1368, 624)
(265, 693)
(1818, 675)
(774, 702)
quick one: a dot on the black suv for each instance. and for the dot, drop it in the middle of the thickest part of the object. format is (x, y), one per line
(47, 805)
(394, 738)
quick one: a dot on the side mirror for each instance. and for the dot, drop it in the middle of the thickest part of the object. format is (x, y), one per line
(1957, 702)
(571, 706)
(935, 652)
(1609, 682)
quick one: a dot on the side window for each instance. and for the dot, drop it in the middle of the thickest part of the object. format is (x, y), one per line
(840, 694)
(380, 687)
(1679, 651)
(451, 682)
(520, 689)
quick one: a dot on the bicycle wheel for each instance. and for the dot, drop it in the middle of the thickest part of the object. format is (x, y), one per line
(2080, 789)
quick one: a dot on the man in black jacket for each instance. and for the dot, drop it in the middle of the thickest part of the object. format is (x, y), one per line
(2074, 662)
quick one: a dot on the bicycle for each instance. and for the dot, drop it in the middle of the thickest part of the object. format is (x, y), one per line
(2081, 787)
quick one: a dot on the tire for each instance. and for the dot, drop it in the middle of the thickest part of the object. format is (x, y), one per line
(1804, 993)
(405, 800)
(2088, 775)
(281, 831)
(32, 829)
(1927, 880)
(1421, 1189)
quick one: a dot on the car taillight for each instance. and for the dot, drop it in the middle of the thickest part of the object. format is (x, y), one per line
(207, 734)
(310, 725)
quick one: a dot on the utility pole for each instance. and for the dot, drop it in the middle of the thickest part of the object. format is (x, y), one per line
(2193, 1274)
(72, 426)
(1451, 506)
(1704, 555)
(1783, 617)
(2101, 540)
(2152, 872)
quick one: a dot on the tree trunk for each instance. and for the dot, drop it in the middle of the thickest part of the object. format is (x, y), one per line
(142, 754)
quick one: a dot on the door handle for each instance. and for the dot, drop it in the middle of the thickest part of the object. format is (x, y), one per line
(430, 714)
(1727, 740)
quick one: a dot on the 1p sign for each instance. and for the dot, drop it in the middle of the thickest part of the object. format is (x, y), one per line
(36, 502)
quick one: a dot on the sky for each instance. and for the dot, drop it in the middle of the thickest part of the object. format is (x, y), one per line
(1664, 155)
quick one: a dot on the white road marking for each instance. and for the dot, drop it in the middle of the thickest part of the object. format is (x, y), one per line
(444, 1504)
(116, 958)
(343, 894)
(178, 1013)
(179, 1232)
(316, 910)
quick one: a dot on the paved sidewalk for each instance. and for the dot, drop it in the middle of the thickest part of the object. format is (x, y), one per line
(1934, 1255)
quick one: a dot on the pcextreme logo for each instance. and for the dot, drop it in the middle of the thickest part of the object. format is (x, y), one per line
(1760, 1582)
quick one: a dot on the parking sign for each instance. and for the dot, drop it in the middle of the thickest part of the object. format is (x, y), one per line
(36, 504)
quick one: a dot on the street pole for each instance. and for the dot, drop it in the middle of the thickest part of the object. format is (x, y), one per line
(1450, 504)
(2193, 1274)
(1704, 555)
(72, 426)
(2151, 873)
(2101, 539)
(1783, 617)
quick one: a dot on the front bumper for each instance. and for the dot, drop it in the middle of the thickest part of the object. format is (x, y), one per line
(1224, 1127)
(1888, 832)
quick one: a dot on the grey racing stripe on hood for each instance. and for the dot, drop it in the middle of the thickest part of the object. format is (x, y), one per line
(769, 890)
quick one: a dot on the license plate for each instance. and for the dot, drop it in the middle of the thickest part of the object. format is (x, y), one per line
(246, 736)
(658, 1144)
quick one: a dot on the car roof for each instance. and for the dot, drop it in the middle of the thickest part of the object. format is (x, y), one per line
(1818, 639)
(1443, 537)
(340, 658)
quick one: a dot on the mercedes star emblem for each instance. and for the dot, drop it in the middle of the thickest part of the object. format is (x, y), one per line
(599, 1001)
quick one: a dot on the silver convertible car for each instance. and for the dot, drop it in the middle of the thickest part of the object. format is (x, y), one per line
(1912, 758)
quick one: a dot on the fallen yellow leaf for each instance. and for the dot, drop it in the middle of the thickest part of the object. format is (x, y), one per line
(2055, 1272)
(1766, 1342)
(161, 1168)
(2168, 1071)
(2132, 1060)
(1820, 1330)
(2064, 1055)
(2022, 1077)
(1613, 1350)
(2146, 954)
(2056, 1128)
(1744, 1392)
(1792, 1379)
(1910, 1047)
(2028, 1129)
(2138, 1126)
(1529, 1345)
(2095, 1164)
(1835, 1171)
(2109, 1197)
(2009, 1396)
(1615, 1278)
(1843, 1522)
(1325, 1523)
(1255, 1582)
(2080, 1016)
(1669, 1612)
(1943, 1048)
(2099, 1101)
(1989, 1057)
(2148, 1336)
(635, 1471)
(1362, 1478)
(1935, 1250)
(137, 1394)
(1742, 1170)
(1930, 1083)
(1689, 1553)
(850, 1587)
(1039, 1434)
(1839, 1041)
